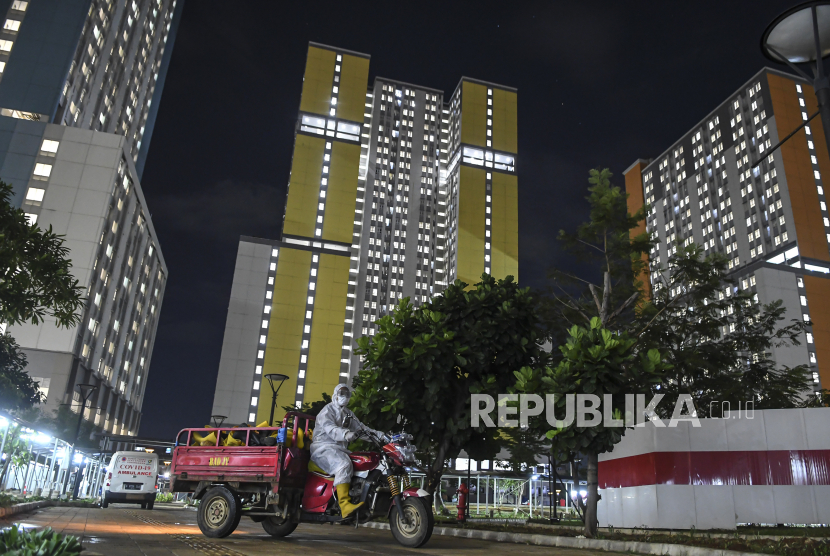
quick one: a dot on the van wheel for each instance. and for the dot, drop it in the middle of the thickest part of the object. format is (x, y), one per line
(219, 513)
(104, 503)
(282, 530)
(150, 505)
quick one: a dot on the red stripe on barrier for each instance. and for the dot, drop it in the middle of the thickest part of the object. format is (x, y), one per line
(775, 467)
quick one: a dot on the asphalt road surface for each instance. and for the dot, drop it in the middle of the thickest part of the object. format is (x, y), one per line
(127, 530)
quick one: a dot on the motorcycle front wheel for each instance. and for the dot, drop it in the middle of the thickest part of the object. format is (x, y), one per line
(417, 529)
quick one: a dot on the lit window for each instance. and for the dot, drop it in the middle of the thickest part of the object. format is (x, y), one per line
(43, 170)
(2, 67)
(20, 5)
(256, 385)
(11, 25)
(251, 417)
(31, 218)
(35, 194)
(5, 46)
(49, 146)
(253, 400)
(300, 389)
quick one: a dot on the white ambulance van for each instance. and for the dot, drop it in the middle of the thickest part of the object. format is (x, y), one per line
(131, 479)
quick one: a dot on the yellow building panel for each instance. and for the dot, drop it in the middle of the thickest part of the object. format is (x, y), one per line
(504, 245)
(473, 114)
(471, 201)
(505, 118)
(318, 81)
(354, 76)
(338, 220)
(285, 330)
(304, 186)
(327, 327)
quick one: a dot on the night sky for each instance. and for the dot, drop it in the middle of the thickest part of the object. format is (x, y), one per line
(599, 84)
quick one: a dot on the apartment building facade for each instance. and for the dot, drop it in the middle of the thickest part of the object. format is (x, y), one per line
(725, 187)
(80, 82)
(390, 187)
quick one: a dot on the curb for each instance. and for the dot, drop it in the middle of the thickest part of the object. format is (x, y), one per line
(31, 506)
(659, 549)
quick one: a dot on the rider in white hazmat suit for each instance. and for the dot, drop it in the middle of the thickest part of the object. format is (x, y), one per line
(329, 450)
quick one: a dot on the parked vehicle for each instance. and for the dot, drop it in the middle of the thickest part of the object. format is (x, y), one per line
(266, 474)
(131, 479)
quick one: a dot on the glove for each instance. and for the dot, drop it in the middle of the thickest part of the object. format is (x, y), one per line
(350, 436)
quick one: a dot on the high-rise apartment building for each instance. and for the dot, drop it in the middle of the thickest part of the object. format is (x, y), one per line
(80, 82)
(722, 186)
(394, 193)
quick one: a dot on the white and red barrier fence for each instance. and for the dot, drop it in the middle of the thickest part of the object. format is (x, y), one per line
(762, 467)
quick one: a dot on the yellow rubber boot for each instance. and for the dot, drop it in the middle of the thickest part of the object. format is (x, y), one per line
(346, 506)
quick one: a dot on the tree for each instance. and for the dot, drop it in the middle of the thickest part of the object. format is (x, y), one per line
(604, 243)
(17, 389)
(715, 338)
(312, 408)
(35, 278)
(718, 338)
(603, 357)
(424, 363)
(599, 362)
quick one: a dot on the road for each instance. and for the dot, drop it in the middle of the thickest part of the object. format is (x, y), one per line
(125, 530)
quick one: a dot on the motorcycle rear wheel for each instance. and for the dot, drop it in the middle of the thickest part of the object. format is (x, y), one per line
(281, 530)
(421, 522)
(219, 513)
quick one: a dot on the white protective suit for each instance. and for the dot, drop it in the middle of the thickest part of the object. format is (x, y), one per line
(329, 449)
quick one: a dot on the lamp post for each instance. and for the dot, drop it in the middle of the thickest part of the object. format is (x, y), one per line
(218, 420)
(86, 391)
(801, 35)
(271, 379)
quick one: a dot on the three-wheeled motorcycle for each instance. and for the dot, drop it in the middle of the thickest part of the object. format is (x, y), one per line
(266, 473)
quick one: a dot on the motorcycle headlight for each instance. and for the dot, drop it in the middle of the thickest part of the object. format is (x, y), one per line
(407, 453)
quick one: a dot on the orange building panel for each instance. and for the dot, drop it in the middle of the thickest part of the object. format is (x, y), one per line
(809, 225)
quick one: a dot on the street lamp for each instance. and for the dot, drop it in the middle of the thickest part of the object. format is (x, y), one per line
(271, 379)
(218, 420)
(801, 35)
(86, 391)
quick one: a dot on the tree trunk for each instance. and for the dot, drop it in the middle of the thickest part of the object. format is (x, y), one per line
(593, 497)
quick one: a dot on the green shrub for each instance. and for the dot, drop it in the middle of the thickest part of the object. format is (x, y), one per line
(164, 497)
(7, 500)
(46, 542)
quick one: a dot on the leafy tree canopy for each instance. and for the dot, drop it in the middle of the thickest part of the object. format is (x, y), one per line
(312, 408)
(423, 364)
(35, 278)
(17, 389)
(719, 339)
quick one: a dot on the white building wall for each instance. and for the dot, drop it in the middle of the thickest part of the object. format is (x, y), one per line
(237, 363)
(91, 186)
